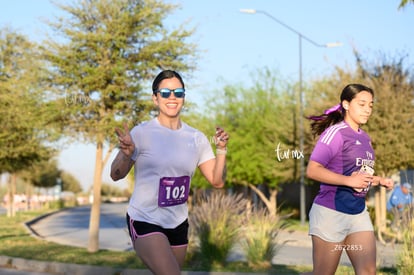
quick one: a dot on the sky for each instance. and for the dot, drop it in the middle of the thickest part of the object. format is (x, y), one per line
(234, 45)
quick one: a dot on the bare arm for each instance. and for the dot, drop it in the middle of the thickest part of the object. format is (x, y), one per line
(121, 166)
(317, 171)
(123, 161)
(214, 169)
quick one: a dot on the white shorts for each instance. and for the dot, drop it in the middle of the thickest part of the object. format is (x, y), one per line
(333, 226)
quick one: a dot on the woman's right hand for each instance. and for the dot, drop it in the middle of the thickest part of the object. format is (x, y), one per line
(359, 181)
(126, 144)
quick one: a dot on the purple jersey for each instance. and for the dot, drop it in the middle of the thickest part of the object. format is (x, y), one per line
(343, 151)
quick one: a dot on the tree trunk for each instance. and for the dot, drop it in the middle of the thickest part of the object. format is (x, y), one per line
(383, 208)
(94, 221)
(273, 201)
(28, 204)
(249, 204)
(377, 209)
(11, 210)
(380, 212)
(270, 203)
(9, 197)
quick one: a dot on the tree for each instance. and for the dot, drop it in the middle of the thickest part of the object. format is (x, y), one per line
(404, 3)
(109, 51)
(263, 151)
(392, 126)
(26, 117)
(70, 183)
(109, 190)
(44, 174)
(23, 113)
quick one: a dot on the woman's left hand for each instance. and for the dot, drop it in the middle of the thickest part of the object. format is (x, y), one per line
(221, 138)
(387, 183)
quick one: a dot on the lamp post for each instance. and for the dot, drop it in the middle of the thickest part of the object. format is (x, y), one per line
(301, 101)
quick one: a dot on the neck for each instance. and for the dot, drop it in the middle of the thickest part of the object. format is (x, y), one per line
(353, 125)
(171, 123)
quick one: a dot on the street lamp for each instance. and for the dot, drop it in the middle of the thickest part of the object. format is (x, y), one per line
(301, 126)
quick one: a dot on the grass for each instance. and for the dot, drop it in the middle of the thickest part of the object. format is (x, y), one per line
(17, 241)
(405, 260)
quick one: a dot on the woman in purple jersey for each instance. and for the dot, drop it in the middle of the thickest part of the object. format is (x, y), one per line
(338, 219)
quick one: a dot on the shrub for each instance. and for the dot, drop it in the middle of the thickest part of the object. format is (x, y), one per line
(260, 238)
(405, 264)
(214, 225)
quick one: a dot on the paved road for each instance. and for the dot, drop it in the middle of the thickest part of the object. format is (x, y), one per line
(70, 227)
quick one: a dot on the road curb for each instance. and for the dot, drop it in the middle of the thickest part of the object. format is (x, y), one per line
(77, 269)
(57, 268)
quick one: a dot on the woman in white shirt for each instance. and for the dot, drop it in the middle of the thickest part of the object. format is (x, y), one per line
(165, 152)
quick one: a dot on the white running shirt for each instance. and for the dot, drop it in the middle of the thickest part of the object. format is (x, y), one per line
(171, 155)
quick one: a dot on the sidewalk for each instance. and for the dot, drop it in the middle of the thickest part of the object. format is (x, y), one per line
(21, 267)
(70, 227)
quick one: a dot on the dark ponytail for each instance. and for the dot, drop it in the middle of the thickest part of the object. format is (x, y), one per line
(336, 113)
(329, 117)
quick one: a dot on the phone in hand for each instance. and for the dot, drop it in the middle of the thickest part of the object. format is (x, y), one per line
(365, 169)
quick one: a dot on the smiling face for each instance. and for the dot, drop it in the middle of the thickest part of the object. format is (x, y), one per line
(359, 109)
(169, 107)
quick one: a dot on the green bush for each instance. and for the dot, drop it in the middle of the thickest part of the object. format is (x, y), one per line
(405, 264)
(214, 226)
(260, 238)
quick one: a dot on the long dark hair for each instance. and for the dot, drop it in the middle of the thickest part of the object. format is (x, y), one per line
(337, 113)
(166, 74)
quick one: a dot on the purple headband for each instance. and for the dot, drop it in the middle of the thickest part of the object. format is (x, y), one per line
(327, 112)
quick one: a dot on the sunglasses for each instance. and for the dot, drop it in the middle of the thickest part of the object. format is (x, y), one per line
(165, 92)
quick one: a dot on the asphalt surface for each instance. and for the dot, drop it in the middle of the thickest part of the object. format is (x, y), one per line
(70, 227)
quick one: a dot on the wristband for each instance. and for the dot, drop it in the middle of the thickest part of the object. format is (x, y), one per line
(134, 155)
(221, 151)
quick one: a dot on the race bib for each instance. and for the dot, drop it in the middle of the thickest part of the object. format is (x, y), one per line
(173, 191)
